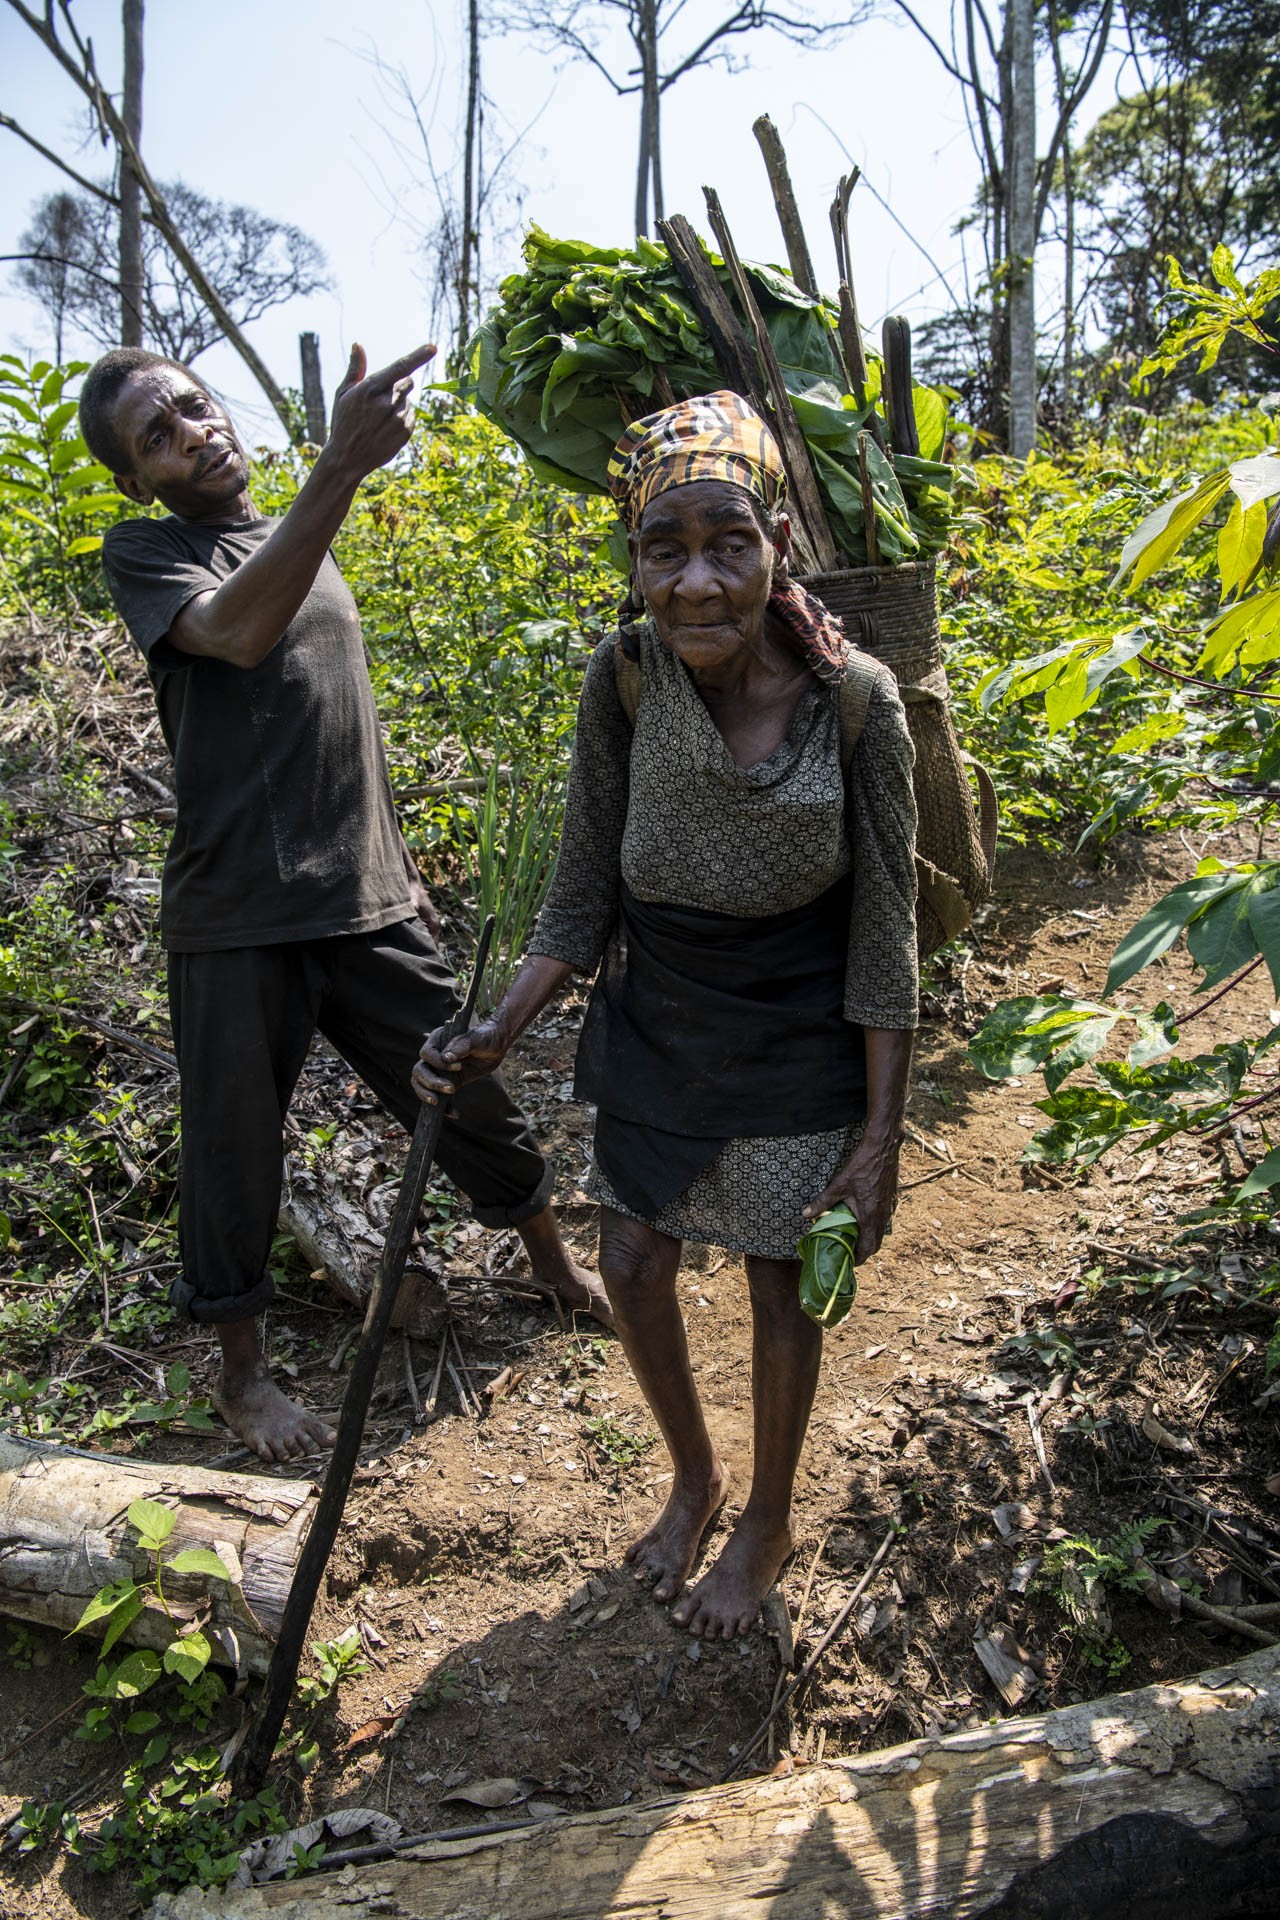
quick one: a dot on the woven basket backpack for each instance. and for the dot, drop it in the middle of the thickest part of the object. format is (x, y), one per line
(891, 615)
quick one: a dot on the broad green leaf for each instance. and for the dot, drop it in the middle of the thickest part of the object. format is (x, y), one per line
(84, 543)
(189, 1656)
(198, 1560)
(142, 1720)
(1089, 1038)
(1264, 924)
(1254, 618)
(1157, 1035)
(1152, 731)
(105, 1602)
(1019, 1035)
(154, 1522)
(1240, 545)
(1158, 928)
(1266, 1174)
(1221, 939)
(123, 1617)
(1255, 479)
(1068, 697)
(54, 381)
(136, 1672)
(1160, 535)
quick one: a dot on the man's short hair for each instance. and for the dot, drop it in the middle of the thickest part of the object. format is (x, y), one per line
(98, 398)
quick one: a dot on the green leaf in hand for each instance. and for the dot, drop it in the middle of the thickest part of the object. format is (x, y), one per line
(828, 1283)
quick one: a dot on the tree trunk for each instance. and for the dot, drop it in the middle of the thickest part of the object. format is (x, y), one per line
(1135, 1807)
(312, 389)
(63, 1535)
(130, 187)
(467, 275)
(1022, 233)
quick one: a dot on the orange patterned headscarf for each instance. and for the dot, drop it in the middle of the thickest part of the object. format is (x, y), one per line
(716, 436)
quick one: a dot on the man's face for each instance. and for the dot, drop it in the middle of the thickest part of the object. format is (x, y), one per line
(182, 448)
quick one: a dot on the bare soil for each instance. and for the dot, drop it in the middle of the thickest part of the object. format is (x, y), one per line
(481, 1556)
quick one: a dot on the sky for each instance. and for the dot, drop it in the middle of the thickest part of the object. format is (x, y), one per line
(278, 104)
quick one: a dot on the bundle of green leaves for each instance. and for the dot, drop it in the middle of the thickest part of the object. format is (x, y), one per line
(587, 339)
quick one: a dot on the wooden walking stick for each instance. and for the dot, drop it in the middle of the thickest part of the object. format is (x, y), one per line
(250, 1769)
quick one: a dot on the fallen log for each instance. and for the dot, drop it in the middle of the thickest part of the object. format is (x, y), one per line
(341, 1241)
(64, 1534)
(1153, 1803)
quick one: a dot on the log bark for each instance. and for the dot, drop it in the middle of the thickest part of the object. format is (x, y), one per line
(1140, 1806)
(64, 1534)
(343, 1242)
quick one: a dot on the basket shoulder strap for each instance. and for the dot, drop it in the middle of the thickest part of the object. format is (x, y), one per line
(854, 696)
(628, 675)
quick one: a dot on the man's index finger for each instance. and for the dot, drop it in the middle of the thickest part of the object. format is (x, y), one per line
(406, 365)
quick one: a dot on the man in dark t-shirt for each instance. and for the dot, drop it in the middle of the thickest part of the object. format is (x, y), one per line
(290, 900)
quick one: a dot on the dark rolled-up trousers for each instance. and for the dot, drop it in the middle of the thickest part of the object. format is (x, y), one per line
(243, 1020)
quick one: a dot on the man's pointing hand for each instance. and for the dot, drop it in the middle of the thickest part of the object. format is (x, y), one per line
(373, 412)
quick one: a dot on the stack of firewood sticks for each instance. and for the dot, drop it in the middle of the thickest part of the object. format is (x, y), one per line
(750, 365)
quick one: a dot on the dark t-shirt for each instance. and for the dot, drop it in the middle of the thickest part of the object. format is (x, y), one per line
(285, 829)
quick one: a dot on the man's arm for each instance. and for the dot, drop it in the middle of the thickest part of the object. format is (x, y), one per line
(243, 618)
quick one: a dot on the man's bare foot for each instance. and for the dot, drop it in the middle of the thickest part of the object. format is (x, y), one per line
(726, 1600)
(663, 1556)
(582, 1291)
(275, 1427)
(556, 1273)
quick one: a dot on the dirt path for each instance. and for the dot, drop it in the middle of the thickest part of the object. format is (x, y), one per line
(480, 1557)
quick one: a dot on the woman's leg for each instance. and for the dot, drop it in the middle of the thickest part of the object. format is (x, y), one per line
(786, 1352)
(639, 1267)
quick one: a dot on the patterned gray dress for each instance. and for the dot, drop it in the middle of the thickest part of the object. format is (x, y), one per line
(666, 806)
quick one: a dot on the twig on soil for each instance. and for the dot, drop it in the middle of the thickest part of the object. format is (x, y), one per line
(1037, 1439)
(940, 1151)
(811, 1665)
(411, 1381)
(939, 1173)
(462, 1378)
(76, 1016)
(808, 1582)
(429, 1406)
(1229, 1617)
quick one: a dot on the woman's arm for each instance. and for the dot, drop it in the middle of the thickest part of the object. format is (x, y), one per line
(581, 904)
(868, 1181)
(484, 1048)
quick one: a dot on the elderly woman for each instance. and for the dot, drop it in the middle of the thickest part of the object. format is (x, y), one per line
(749, 904)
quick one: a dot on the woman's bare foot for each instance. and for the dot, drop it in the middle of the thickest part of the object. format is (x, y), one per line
(726, 1600)
(663, 1556)
(251, 1403)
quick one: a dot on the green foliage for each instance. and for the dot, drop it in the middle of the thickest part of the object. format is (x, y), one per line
(588, 333)
(508, 836)
(616, 1443)
(1199, 670)
(56, 498)
(1079, 1573)
(1210, 316)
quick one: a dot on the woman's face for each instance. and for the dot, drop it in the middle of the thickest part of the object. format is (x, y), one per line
(705, 566)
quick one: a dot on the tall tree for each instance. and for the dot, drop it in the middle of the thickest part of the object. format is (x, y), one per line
(656, 56)
(130, 186)
(456, 195)
(257, 263)
(992, 57)
(55, 27)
